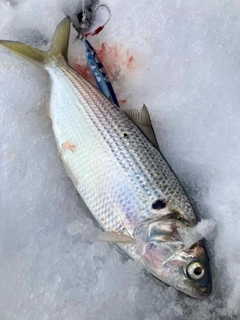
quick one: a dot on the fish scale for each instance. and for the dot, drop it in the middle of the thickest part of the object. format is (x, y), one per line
(96, 126)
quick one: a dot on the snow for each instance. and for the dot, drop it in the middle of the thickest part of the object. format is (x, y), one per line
(204, 229)
(185, 67)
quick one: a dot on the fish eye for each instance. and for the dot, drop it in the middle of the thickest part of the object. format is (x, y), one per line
(195, 270)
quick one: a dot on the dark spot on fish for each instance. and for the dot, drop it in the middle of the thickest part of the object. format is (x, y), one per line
(158, 204)
(125, 135)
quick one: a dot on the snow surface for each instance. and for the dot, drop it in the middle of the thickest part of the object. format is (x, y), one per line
(185, 66)
(204, 229)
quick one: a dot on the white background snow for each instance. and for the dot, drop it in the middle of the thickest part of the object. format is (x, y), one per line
(186, 69)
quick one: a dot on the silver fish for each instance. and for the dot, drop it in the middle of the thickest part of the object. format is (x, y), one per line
(113, 160)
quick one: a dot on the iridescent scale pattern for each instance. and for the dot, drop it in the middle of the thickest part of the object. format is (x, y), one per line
(116, 170)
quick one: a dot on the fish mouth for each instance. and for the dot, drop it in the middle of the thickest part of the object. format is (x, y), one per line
(198, 292)
(206, 291)
(191, 290)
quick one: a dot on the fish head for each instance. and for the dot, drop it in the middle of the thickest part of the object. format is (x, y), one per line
(164, 254)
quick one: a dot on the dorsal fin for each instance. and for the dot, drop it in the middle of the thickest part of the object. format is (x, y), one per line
(141, 119)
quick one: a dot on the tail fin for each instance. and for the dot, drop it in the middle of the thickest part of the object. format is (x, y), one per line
(58, 47)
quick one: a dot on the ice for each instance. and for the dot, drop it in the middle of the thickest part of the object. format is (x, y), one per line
(180, 58)
(203, 229)
(75, 227)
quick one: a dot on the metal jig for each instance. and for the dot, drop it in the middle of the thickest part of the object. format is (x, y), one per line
(83, 20)
(99, 72)
(94, 63)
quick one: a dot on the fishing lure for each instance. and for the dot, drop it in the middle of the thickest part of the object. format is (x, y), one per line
(94, 63)
(99, 72)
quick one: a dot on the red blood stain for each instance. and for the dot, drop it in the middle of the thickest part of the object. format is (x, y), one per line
(114, 56)
(114, 51)
(123, 101)
(84, 71)
(68, 146)
(130, 60)
(101, 53)
(110, 58)
(107, 60)
(115, 59)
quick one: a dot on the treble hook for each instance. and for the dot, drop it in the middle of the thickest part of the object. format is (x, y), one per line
(85, 20)
(109, 12)
(93, 60)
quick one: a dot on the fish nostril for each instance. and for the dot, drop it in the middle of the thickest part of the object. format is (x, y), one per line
(158, 204)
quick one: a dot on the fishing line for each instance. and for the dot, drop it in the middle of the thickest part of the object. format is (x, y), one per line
(83, 11)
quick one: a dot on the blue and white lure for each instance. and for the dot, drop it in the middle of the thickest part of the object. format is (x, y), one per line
(94, 63)
(99, 72)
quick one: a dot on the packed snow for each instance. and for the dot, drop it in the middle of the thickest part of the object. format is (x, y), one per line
(180, 58)
(203, 229)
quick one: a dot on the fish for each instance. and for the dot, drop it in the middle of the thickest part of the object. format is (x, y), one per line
(114, 161)
(99, 72)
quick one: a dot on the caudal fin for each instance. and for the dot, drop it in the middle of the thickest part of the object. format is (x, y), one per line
(59, 46)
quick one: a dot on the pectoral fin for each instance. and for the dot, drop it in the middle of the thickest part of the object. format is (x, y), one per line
(141, 119)
(114, 237)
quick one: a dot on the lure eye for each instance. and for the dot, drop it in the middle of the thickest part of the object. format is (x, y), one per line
(195, 270)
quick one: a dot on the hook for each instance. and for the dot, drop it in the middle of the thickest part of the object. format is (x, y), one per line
(108, 9)
(96, 31)
(85, 21)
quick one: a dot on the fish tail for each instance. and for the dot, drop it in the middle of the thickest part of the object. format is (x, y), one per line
(59, 46)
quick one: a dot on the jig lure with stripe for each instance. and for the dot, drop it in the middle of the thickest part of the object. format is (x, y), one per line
(99, 72)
